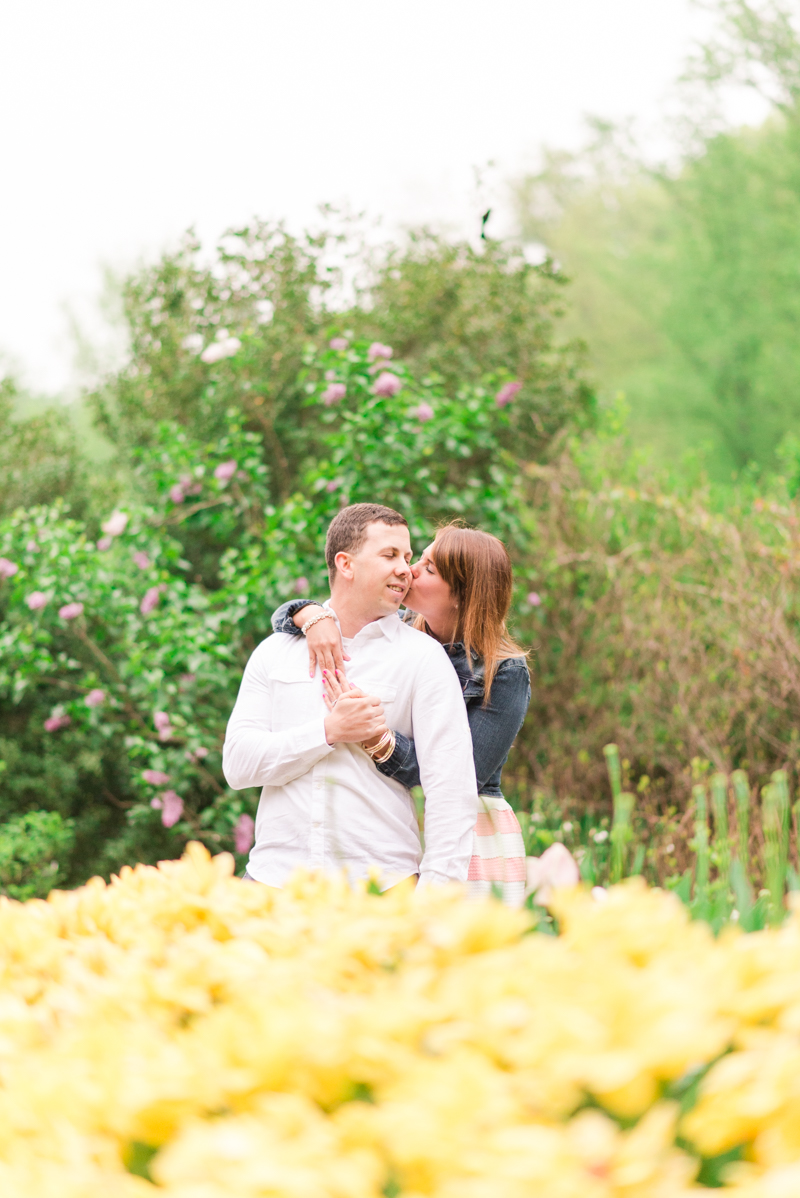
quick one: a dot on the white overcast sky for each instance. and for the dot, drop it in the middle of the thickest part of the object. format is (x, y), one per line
(123, 123)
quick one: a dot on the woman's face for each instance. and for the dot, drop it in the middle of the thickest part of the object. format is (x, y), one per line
(430, 596)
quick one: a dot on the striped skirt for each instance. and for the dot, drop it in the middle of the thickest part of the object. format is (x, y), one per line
(498, 853)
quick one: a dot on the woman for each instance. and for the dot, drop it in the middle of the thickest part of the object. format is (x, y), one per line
(460, 595)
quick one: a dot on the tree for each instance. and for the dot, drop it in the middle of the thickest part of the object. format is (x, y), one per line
(687, 278)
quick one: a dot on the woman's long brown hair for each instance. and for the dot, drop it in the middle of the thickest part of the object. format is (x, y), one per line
(476, 567)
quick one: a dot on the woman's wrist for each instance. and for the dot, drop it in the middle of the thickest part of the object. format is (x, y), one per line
(305, 613)
(380, 748)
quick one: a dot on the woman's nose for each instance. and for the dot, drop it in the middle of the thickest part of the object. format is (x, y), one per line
(414, 570)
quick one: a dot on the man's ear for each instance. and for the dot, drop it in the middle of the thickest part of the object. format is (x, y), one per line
(344, 564)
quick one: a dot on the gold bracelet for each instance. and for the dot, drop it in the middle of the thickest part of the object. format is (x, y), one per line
(389, 751)
(379, 747)
(384, 748)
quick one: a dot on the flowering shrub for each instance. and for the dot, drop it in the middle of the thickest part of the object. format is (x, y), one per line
(185, 1030)
(208, 332)
(123, 640)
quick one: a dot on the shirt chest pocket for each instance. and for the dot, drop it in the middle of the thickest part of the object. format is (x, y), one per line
(295, 699)
(381, 690)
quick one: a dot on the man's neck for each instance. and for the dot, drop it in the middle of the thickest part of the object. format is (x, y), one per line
(351, 617)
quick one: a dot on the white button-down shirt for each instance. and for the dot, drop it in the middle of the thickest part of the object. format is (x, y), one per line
(326, 807)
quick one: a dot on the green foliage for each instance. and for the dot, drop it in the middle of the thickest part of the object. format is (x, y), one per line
(39, 457)
(458, 314)
(662, 609)
(716, 886)
(123, 639)
(454, 315)
(32, 849)
(666, 622)
(685, 278)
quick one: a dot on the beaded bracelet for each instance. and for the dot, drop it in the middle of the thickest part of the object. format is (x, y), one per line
(323, 615)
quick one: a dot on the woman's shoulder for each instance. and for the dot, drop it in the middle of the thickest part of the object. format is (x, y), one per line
(511, 665)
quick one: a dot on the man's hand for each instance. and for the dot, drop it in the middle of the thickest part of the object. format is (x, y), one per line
(324, 641)
(353, 716)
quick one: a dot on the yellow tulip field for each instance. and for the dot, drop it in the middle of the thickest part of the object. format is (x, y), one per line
(185, 1033)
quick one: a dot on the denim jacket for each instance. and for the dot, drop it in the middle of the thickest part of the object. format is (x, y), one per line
(493, 727)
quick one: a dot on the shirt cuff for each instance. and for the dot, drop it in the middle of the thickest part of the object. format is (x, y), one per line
(315, 730)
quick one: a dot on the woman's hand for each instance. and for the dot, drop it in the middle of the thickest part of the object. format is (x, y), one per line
(336, 688)
(325, 647)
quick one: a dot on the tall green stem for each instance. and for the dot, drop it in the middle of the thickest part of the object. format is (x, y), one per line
(722, 842)
(621, 830)
(741, 789)
(701, 851)
(775, 808)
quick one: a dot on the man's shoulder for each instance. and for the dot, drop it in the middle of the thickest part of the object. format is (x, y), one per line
(422, 646)
(277, 647)
(413, 635)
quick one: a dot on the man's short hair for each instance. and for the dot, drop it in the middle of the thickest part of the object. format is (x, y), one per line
(348, 529)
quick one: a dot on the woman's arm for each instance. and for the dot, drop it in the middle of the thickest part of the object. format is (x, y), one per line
(494, 729)
(324, 639)
(402, 765)
(283, 616)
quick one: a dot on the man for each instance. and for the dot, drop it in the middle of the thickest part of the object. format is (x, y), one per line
(324, 805)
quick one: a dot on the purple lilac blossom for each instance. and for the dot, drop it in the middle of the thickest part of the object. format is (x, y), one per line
(225, 471)
(244, 833)
(386, 385)
(171, 809)
(333, 394)
(70, 611)
(55, 722)
(155, 777)
(150, 600)
(506, 394)
(116, 524)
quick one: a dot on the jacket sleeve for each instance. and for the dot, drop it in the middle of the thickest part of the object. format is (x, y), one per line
(402, 765)
(447, 775)
(494, 727)
(282, 617)
(254, 755)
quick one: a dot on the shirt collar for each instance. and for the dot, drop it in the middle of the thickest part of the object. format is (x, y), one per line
(387, 625)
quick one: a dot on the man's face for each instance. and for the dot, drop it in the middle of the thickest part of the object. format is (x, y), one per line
(380, 570)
